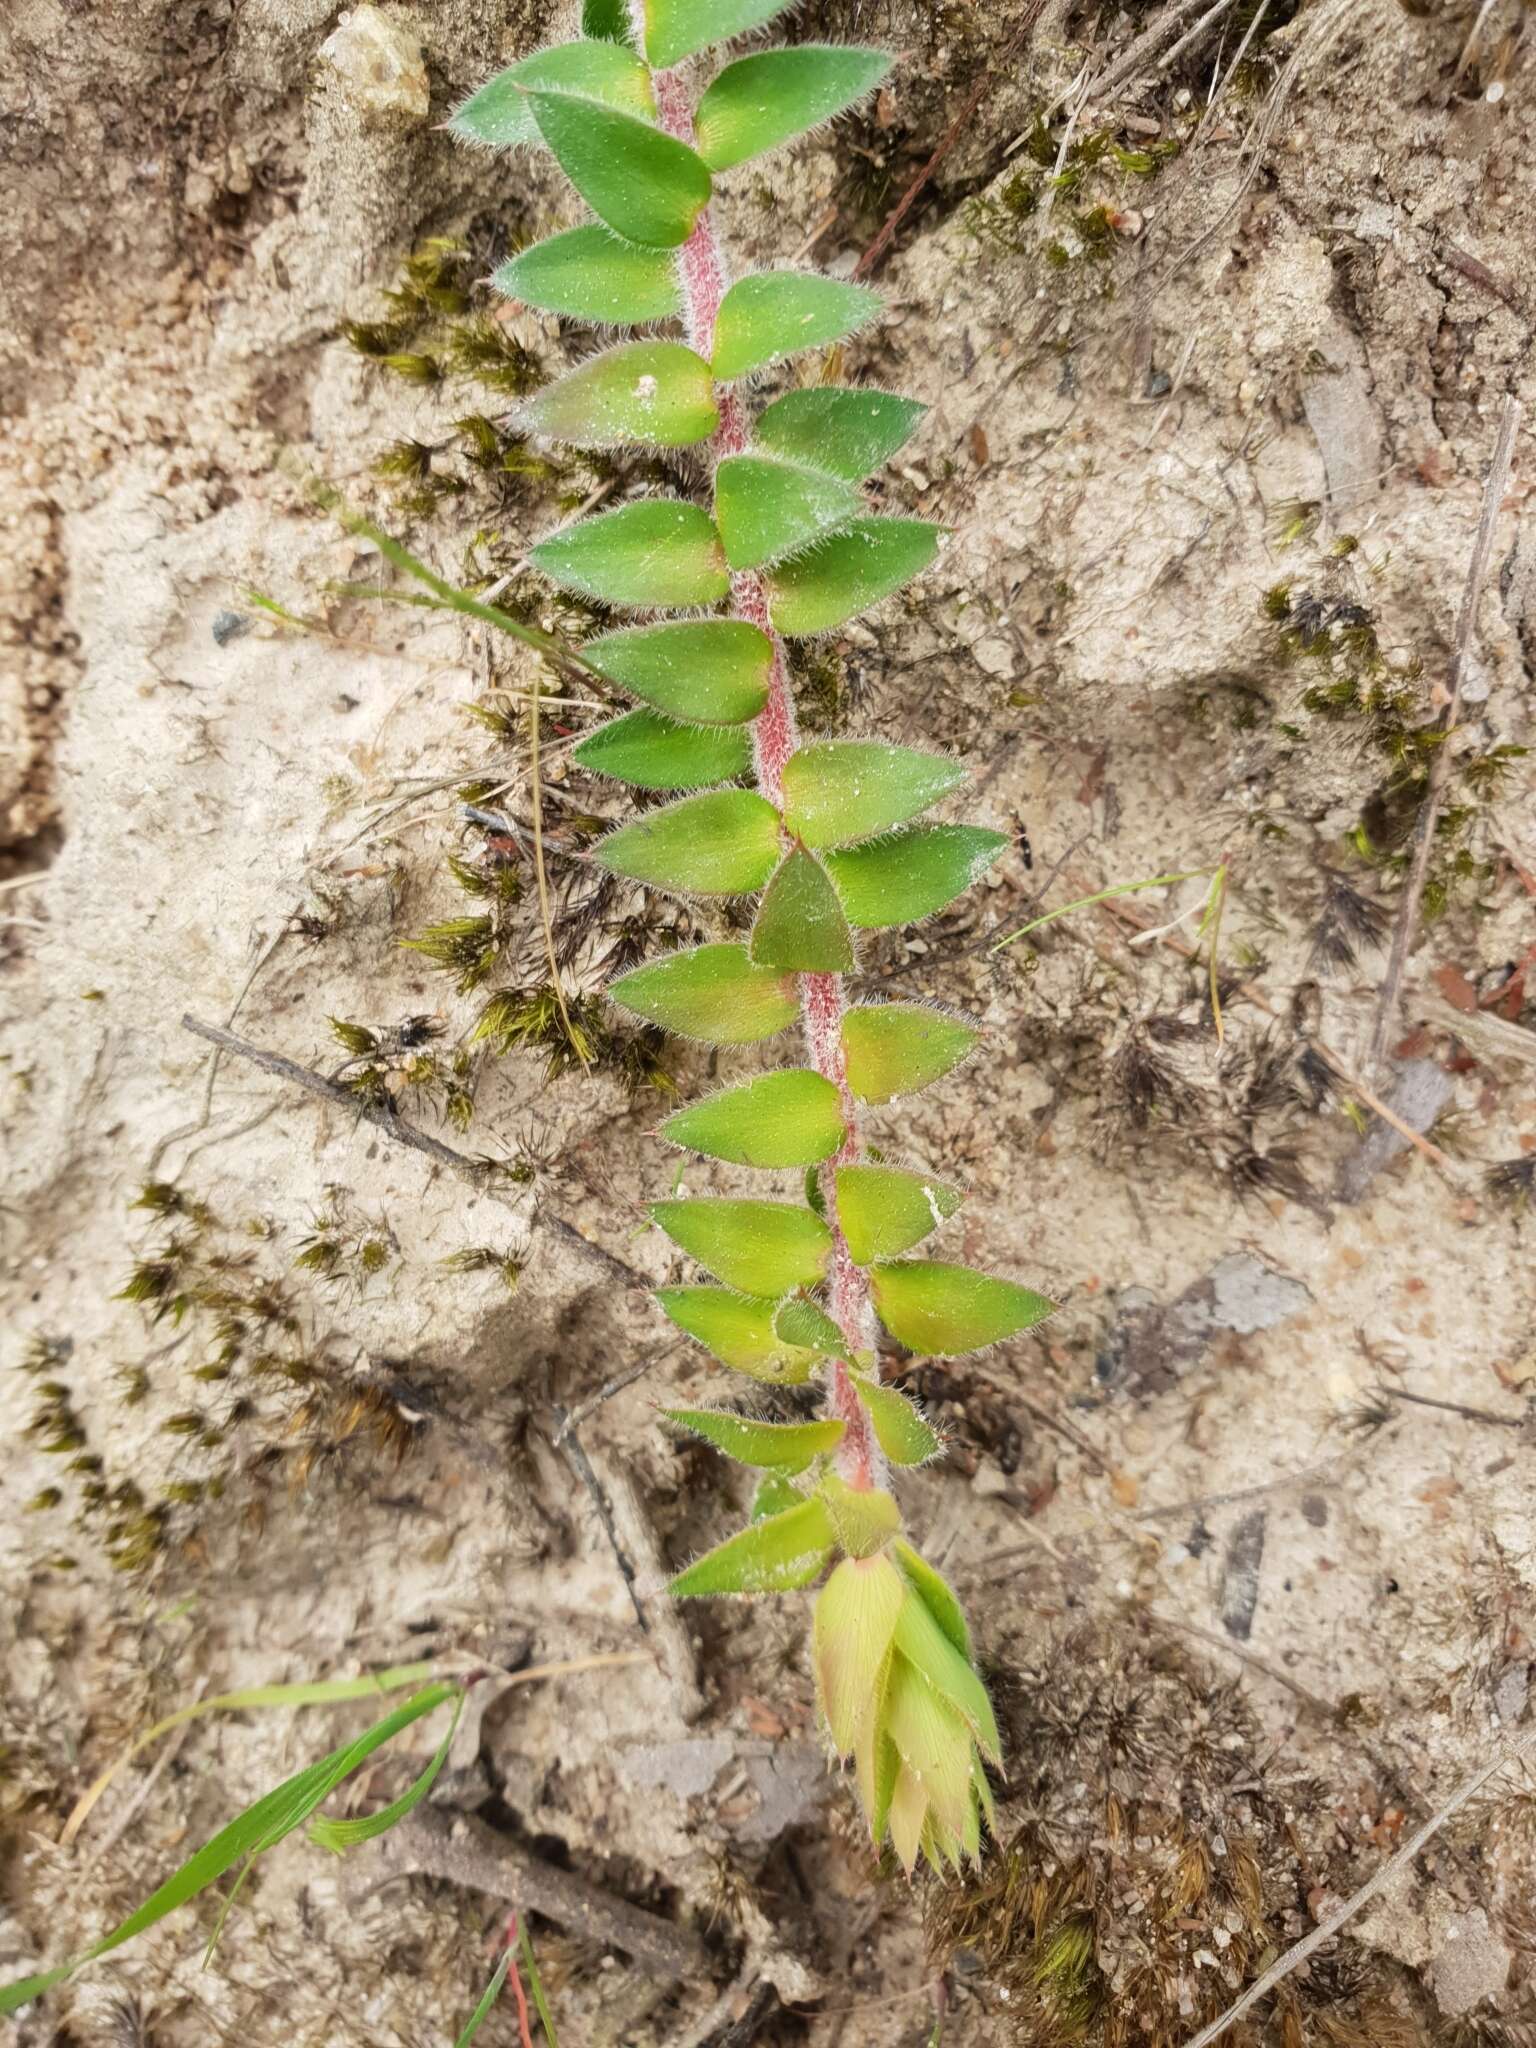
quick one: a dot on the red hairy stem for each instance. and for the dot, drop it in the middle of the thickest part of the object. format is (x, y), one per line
(702, 274)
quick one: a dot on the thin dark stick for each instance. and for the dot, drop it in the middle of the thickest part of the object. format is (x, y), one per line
(893, 220)
(459, 1849)
(1440, 761)
(478, 1173)
(570, 1447)
(1453, 1408)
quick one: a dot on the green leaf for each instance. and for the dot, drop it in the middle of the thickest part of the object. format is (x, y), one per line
(777, 1446)
(900, 1430)
(739, 1331)
(258, 1828)
(894, 1049)
(605, 18)
(836, 791)
(778, 1555)
(777, 313)
(708, 671)
(847, 433)
(864, 1518)
(500, 114)
(712, 993)
(794, 1118)
(800, 924)
(855, 1622)
(722, 844)
(650, 394)
(646, 185)
(773, 1496)
(657, 753)
(341, 1835)
(591, 274)
(763, 1248)
(661, 554)
(675, 29)
(941, 1311)
(763, 100)
(934, 1592)
(930, 1651)
(488, 1998)
(800, 1322)
(884, 1212)
(766, 509)
(849, 572)
(911, 873)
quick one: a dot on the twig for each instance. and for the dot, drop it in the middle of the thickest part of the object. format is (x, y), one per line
(1011, 50)
(462, 1850)
(1452, 1408)
(670, 1633)
(1445, 725)
(1309, 1945)
(571, 1448)
(1220, 90)
(479, 1173)
(1243, 1655)
(1310, 1475)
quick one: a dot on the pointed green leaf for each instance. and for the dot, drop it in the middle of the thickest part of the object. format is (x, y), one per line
(713, 993)
(865, 1518)
(763, 100)
(776, 1446)
(935, 1742)
(778, 1555)
(500, 114)
(911, 873)
(850, 571)
(836, 791)
(708, 671)
(894, 1049)
(658, 554)
(940, 1311)
(594, 275)
(900, 1430)
(765, 509)
(739, 1331)
(800, 1322)
(773, 1496)
(847, 433)
(934, 1591)
(653, 752)
(646, 185)
(649, 394)
(764, 1248)
(675, 29)
(790, 1119)
(722, 844)
(800, 924)
(777, 313)
(855, 1621)
(341, 1835)
(884, 1212)
(931, 1653)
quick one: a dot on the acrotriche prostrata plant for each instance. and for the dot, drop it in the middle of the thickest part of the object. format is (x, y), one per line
(821, 834)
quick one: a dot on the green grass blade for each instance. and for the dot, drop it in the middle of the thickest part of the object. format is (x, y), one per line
(341, 1835)
(1103, 896)
(244, 1838)
(324, 1692)
(488, 1998)
(530, 1964)
(449, 594)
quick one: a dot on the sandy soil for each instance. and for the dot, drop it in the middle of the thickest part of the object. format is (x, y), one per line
(1245, 1534)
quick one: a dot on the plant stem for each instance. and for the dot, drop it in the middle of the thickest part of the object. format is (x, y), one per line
(702, 274)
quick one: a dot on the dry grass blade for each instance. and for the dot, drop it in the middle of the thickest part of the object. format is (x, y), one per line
(546, 919)
(1309, 1945)
(1440, 764)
